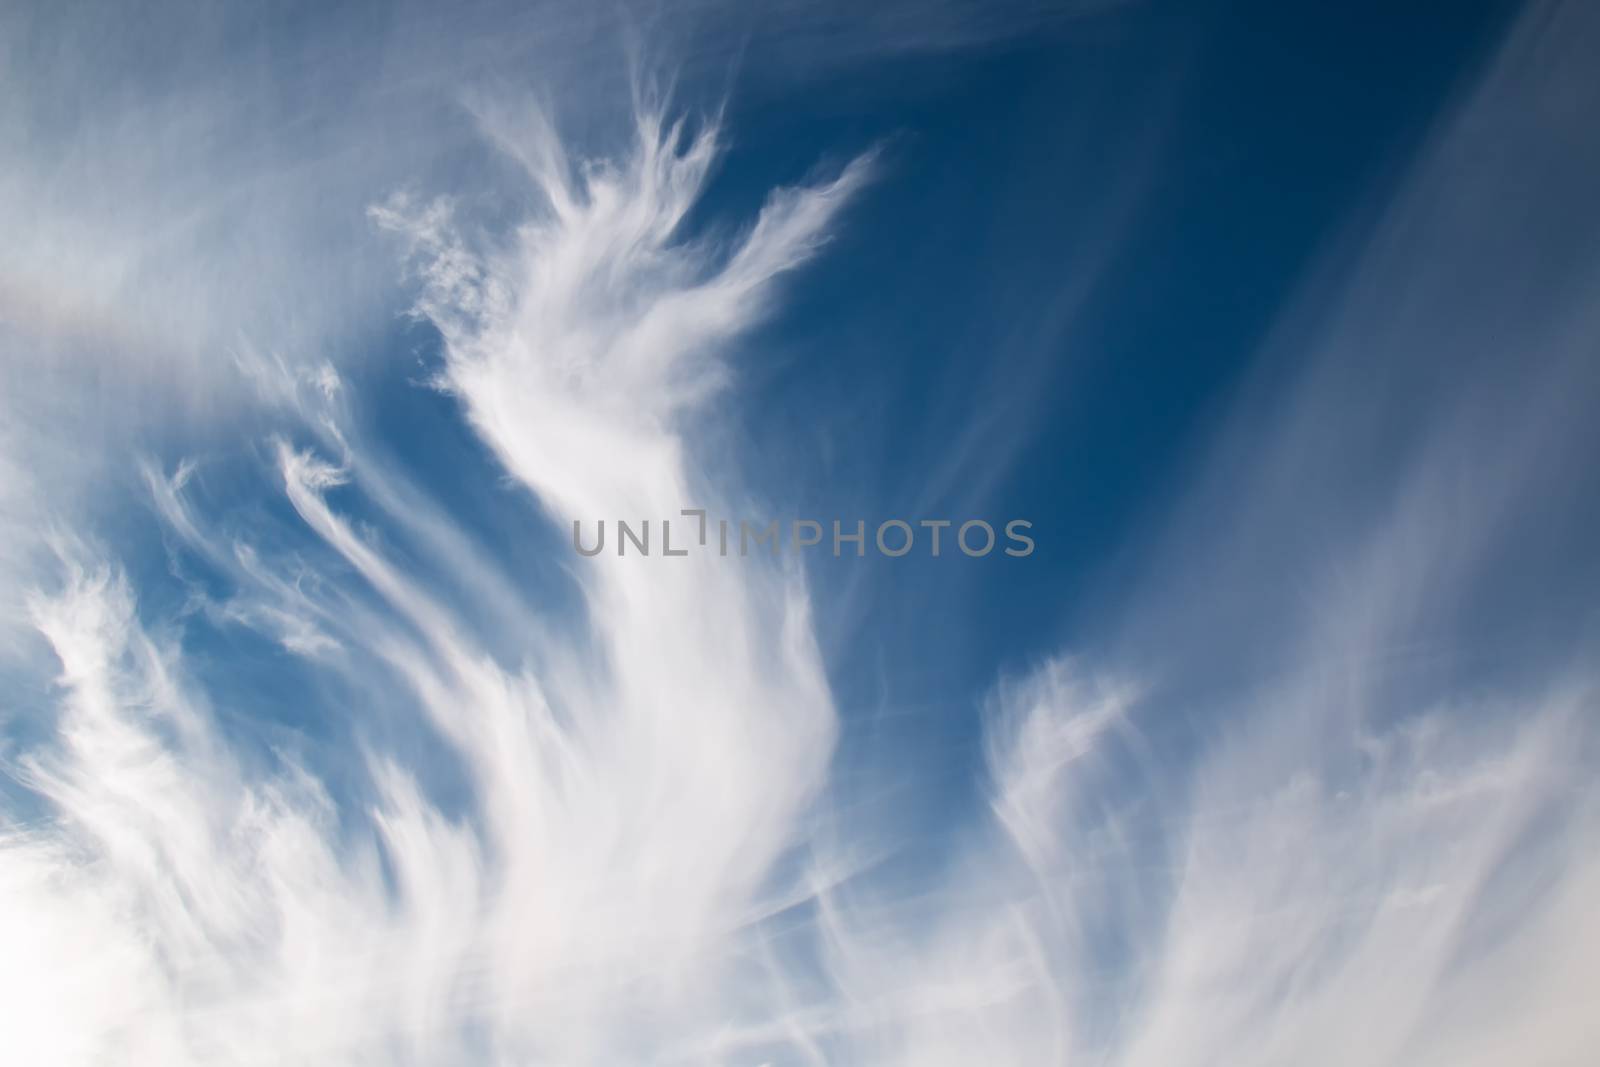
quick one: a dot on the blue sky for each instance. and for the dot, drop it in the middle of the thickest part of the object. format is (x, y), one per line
(319, 743)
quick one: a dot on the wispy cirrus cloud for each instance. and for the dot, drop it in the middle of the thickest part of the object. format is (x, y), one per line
(628, 800)
(613, 843)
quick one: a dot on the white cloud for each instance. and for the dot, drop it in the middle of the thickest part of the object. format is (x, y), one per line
(629, 801)
(1346, 872)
